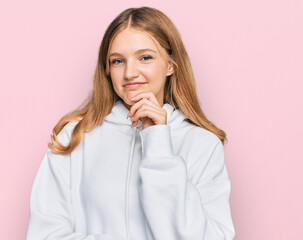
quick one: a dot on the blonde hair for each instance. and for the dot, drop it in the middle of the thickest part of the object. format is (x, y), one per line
(180, 89)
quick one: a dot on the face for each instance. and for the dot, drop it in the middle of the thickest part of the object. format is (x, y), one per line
(135, 56)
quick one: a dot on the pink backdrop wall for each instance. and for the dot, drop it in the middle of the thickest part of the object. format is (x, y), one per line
(247, 60)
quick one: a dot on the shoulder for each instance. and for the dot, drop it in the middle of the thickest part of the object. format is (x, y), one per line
(61, 162)
(205, 153)
(202, 144)
(65, 134)
(202, 137)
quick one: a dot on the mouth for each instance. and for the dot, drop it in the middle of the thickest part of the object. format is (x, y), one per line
(134, 85)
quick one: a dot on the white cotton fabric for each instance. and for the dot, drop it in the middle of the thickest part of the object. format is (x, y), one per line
(165, 182)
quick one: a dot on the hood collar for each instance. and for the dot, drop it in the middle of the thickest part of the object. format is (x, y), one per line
(175, 117)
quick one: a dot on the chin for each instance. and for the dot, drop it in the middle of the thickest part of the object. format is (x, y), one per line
(127, 103)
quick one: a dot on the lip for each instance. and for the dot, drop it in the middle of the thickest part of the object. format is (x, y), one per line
(133, 84)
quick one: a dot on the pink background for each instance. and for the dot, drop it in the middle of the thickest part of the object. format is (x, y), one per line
(247, 60)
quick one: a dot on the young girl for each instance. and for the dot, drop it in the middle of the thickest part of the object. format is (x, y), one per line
(139, 160)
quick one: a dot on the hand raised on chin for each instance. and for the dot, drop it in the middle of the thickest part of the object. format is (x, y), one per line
(147, 109)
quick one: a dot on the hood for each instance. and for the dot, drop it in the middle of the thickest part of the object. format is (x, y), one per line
(175, 117)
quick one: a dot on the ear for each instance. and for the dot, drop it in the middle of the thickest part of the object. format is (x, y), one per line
(170, 69)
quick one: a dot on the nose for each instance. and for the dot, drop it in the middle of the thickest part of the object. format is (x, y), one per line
(131, 70)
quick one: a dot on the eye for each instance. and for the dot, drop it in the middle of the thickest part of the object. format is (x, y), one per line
(147, 56)
(114, 61)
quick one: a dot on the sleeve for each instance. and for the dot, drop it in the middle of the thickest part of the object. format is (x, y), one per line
(174, 206)
(51, 213)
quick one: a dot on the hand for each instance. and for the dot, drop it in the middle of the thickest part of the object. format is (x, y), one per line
(148, 110)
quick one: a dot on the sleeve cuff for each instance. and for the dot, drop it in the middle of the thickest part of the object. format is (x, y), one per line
(156, 142)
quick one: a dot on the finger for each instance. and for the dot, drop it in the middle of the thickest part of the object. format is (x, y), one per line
(144, 104)
(149, 95)
(155, 116)
(134, 123)
(140, 104)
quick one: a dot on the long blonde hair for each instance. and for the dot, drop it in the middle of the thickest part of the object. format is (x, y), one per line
(180, 89)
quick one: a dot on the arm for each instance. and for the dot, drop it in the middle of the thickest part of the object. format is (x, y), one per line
(175, 207)
(51, 213)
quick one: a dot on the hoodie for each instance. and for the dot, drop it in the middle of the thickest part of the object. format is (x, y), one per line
(164, 182)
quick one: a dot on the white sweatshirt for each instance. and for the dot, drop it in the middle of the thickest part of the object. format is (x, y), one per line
(165, 182)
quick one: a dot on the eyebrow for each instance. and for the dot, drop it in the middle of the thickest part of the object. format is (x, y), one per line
(138, 51)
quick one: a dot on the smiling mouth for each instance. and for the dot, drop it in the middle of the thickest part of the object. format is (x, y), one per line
(133, 85)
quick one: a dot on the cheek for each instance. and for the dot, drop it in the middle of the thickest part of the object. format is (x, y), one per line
(116, 76)
(153, 72)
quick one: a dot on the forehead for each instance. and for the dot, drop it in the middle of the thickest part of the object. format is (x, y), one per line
(130, 40)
